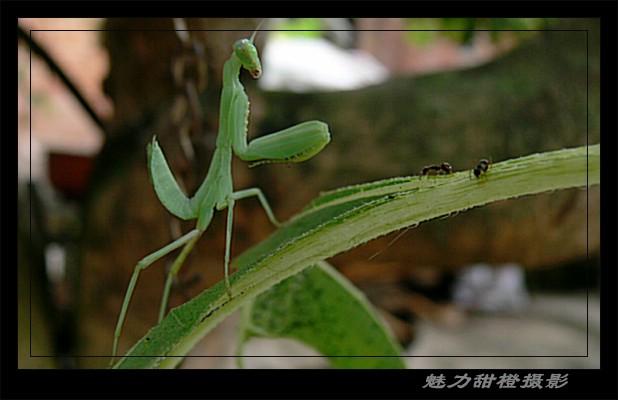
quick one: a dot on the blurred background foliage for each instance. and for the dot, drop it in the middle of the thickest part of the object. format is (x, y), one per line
(426, 31)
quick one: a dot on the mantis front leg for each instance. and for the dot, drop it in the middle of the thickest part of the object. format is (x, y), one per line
(292, 145)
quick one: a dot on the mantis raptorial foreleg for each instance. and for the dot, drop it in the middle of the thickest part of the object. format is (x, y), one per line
(295, 144)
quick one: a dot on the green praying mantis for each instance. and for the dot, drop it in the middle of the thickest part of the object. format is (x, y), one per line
(295, 144)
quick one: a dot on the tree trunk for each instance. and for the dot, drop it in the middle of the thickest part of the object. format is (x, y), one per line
(542, 96)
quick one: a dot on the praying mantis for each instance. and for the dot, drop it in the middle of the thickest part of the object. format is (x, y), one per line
(295, 144)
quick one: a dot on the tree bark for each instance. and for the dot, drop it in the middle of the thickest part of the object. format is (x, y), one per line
(542, 96)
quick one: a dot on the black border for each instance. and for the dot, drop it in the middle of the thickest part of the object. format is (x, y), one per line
(589, 384)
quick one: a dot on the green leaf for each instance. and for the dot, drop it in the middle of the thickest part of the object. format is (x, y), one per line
(300, 27)
(322, 309)
(346, 218)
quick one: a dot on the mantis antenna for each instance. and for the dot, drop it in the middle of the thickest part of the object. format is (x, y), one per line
(257, 29)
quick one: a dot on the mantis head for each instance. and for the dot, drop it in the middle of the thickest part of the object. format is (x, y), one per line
(246, 52)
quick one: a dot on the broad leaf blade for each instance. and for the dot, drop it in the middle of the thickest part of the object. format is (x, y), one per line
(322, 309)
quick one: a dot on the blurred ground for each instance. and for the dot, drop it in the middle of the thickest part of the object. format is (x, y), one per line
(556, 331)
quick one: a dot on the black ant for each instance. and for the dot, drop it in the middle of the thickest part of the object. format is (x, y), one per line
(481, 168)
(442, 169)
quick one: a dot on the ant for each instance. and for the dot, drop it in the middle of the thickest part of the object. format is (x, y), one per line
(442, 169)
(482, 167)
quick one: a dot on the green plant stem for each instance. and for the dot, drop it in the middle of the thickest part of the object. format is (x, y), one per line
(345, 218)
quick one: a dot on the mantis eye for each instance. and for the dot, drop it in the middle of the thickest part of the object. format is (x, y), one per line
(246, 52)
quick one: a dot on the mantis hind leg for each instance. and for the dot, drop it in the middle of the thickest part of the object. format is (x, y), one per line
(173, 272)
(243, 194)
(231, 202)
(189, 238)
(228, 245)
